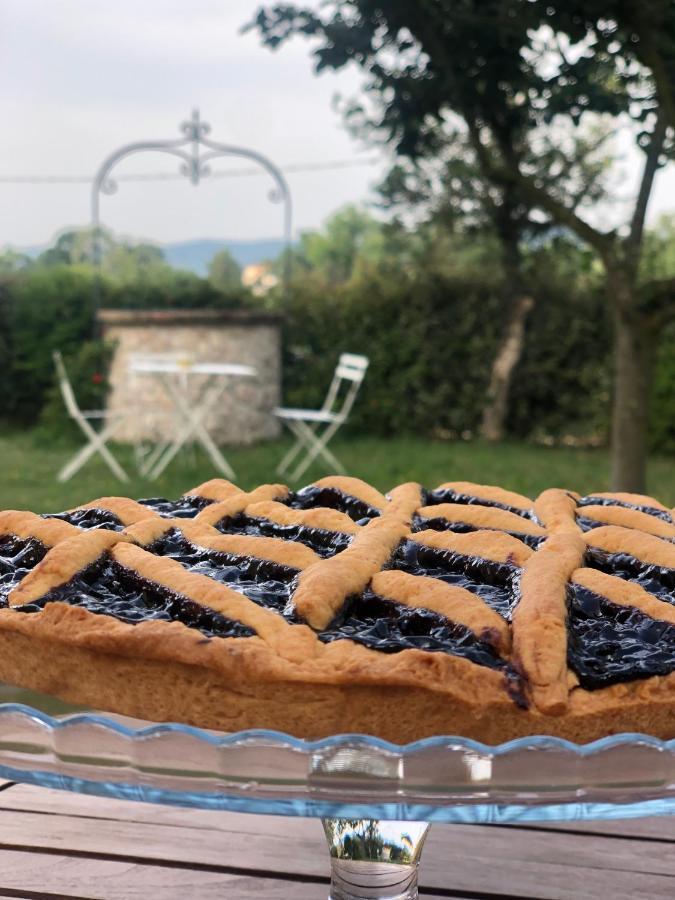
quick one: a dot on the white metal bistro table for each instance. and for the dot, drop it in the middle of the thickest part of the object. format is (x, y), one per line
(192, 408)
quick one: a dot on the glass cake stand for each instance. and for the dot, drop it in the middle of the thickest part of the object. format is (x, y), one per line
(376, 799)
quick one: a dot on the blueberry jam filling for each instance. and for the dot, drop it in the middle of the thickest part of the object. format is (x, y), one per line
(495, 583)
(608, 643)
(447, 495)
(108, 589)
(441, 524)
(265, 583)
(389, 627)
(311, 497)
(17, 558)
(610, 501)
(587, 524)
(658, 580)
(89, 518)
(324, 543)
(185, 508)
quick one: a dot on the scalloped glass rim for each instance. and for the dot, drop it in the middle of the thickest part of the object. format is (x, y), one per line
(444, 778)
(236, 737)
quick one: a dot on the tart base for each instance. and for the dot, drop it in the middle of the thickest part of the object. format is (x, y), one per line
(161, 691)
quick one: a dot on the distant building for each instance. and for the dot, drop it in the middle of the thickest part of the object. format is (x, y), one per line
(259, 278)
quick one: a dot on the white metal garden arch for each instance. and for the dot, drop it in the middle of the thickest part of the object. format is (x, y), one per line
(195, 150)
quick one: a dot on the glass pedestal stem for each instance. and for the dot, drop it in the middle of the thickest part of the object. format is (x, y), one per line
(374, 860)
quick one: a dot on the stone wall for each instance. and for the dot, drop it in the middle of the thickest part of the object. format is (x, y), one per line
(244, 413)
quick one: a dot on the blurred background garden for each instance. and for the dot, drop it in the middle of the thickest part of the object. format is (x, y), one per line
(506, 264)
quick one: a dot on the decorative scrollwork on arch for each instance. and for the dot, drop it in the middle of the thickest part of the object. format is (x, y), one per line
(195, 151)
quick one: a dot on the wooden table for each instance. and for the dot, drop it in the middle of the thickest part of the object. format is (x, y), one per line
(57, 844)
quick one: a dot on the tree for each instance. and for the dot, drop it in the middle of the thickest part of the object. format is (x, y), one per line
(225, 271)
(511, 72)
(124, 261)
(73, 247)
(453, 189)
(349, 238)
(12, 261)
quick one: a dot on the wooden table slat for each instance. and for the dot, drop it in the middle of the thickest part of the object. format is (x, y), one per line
(657, 828)
(460, 857)
(65, 877)
(70, 845)
(28, 797)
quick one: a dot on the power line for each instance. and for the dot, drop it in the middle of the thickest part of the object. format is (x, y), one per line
(329, 165)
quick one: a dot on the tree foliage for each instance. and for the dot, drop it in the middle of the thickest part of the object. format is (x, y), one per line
(48, 310)
(351, 237)
(225, 271)
(12, 261)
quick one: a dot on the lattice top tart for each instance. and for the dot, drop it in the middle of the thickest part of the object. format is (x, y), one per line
(466, 609)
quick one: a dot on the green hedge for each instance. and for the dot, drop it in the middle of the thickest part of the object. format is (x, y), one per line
(430, 339)
(562, 386)
(52, 308)
(431, 342)
(662, 412)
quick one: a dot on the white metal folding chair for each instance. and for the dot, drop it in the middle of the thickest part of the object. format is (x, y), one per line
(97, 439)
(306, 424)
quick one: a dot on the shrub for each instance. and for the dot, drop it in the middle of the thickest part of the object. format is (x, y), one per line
(172, 289)
(431, 342)
(53, 308)
(562, 385)
(46, 310)
(662, 412)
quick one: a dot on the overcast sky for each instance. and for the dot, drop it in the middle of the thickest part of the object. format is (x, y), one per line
(78, 78)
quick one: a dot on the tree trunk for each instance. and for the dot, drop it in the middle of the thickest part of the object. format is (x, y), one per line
(633, 361)
(494, 415)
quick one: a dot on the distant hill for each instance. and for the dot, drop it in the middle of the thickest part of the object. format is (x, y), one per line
(196, 255)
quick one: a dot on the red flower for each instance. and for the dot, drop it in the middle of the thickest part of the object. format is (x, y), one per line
(97, 378)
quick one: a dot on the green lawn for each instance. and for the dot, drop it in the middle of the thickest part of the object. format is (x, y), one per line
(30, 462)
